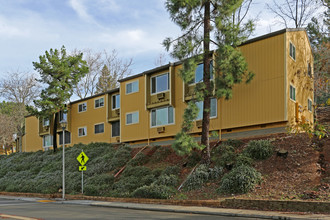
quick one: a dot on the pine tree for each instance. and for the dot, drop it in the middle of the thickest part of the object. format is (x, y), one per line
(104, 82)
(59, 72)
(205, 23)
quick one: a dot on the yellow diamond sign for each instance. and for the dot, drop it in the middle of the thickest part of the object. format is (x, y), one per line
(82, 158)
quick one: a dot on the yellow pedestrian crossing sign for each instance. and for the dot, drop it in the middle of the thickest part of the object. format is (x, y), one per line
(82, 158)
(82, 168)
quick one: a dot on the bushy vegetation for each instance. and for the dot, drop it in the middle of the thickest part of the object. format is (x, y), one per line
(201, 175)
(41, 172)
(239, 180)
(259, 150)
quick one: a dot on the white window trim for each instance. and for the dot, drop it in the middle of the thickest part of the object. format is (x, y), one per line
(309, 99)
(165, 124)
(294, 51)
(112, 129)
(216, 110)
(99, 102)
(129, 83)
(82, 135)
(103, 128)
(112, 102)
(132, 113)
(295, 95)
(82, 104)
(168, 78)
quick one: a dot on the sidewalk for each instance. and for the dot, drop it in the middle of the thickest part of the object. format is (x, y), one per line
(184, 209)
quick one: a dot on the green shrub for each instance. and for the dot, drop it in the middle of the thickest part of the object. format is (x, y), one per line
(243, 159)
(193, 159)
(154, 191)
(259, 150)
(224, 155)
(197, 178)
(239, 180)
(234, 143)
(215, 172)
(138, 171)
(91, 190)
(160, 154)
(168, 180)
(157, 172)
(121, 157)
(139, 160)
(171, 170)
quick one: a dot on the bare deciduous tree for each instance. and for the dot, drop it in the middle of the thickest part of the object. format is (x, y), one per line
(19, 87)
(117, 68)
(96, 61)
(296, 12)
(6, 132)
(160, 60)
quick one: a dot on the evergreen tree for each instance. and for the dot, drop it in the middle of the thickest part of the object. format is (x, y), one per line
(59, 72)
(206, 23)
(104, 82)
(318, 32)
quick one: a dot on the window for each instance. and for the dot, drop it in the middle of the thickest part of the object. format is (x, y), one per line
(82, 107)
(99, 128)
(292, 93)
(213, 110)
(82, 132)
(199, 73)
(159, 83)
(162, 116)
(47, 140)
(132, 87)
(63, 116)
(309, 70)
(45, 122)
(99, 103)
(292, 51)
(67, 138)
(132, 118)
(115, 129)
(116, 101)
(310, 105)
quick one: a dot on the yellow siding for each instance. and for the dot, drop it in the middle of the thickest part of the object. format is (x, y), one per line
(32, 141)
(133, 102)
(261, 101)
(88, 119)
(297, 76)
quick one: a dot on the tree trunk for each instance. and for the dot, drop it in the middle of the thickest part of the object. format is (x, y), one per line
(206, 78)
(55, 132)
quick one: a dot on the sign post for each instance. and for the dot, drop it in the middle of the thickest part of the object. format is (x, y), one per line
(82, 159)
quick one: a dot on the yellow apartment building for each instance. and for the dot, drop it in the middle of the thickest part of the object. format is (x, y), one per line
(147, 108)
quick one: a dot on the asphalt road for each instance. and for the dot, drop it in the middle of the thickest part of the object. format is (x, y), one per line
(30, 210)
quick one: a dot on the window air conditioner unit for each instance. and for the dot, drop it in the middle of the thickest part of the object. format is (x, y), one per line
(199, 123)
(161, 95)
(118, 111)
(161, 129)
(118, 139)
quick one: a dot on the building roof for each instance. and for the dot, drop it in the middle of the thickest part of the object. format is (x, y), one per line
(246, 42)
(96, 95)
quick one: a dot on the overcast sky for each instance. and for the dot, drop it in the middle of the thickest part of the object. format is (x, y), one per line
(135, 28)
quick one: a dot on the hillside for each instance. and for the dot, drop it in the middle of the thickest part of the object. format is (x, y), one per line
(302, 172)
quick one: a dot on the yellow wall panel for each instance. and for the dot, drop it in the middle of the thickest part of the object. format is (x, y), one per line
(32, 141)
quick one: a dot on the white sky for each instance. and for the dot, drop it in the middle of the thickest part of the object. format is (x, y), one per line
(135, 28)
